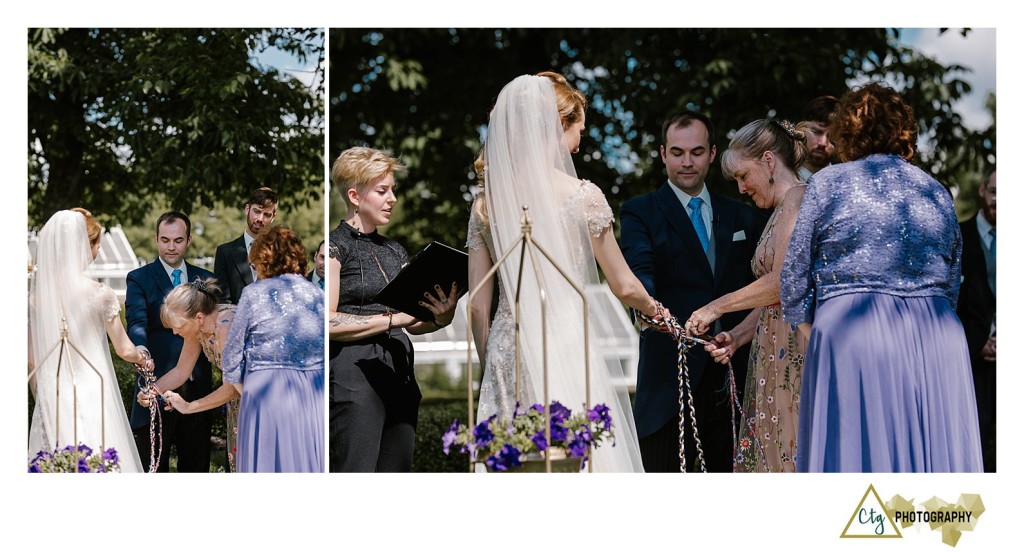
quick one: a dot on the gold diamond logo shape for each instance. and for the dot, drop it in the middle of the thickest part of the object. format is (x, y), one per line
(871, 520)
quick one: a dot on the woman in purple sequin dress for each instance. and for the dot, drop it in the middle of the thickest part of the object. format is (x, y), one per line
(275, 356)
(874, 268)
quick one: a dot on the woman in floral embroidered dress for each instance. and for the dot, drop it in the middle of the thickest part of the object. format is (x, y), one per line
(763, 158)
(192, 311)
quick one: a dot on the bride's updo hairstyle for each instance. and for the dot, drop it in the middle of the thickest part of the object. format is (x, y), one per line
(571, 105)
(92, 228)
(750, 142)
(359, 168)
(570, 101)
(184, 302)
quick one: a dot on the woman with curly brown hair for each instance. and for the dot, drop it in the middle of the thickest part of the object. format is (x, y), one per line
(874, 265)
(274, 356)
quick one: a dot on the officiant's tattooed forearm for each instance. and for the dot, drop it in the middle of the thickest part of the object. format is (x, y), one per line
(343, 318)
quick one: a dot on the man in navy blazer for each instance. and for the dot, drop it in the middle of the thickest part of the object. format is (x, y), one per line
(146, 288)
(977, 311)
(688, 246)
(231, 261)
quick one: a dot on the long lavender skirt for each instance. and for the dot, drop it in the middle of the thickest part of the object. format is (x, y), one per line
(887, 388)
(281, 421)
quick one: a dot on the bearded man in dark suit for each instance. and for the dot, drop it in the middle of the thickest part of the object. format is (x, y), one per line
(231, 262)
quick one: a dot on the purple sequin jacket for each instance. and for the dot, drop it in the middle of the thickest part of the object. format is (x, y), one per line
(279, 325)
(874, 225)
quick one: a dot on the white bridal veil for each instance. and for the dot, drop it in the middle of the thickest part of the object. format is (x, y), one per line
(62, 290)
(528, 163)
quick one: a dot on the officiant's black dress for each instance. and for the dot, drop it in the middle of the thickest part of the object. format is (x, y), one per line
(374, 397)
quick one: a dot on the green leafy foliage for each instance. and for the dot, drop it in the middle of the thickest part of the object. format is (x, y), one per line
(424, 94)
(117, 116)
(222, 222)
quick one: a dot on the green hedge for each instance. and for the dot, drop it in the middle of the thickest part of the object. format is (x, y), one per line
(436, 415)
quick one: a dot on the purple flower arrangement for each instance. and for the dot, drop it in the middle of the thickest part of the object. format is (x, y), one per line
(503, 445)
(75, 460)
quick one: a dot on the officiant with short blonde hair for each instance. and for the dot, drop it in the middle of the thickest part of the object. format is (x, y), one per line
(373, 394)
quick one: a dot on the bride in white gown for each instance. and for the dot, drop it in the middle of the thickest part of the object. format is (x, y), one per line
(64, 250)
(534, 125)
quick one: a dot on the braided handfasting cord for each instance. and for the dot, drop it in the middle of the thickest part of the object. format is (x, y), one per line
(146, 380)
(683, 344)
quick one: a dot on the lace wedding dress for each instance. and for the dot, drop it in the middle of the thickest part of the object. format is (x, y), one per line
(90, 407)
(529, 165)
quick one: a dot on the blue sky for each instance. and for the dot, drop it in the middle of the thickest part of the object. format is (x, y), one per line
(287, 63)
(977, 51)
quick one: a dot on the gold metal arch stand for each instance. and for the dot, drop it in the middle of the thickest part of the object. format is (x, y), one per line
(64, 346)
(526, 245)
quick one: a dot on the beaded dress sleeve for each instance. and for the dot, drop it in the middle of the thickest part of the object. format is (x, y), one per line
(797, 278)
(598, 213)
(233, 357)
(475, 232)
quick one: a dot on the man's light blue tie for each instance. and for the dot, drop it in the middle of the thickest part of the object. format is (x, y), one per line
(176, 277)
(698, 222)
(992, 261)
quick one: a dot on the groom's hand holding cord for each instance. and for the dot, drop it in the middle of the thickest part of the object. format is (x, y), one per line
(146, 396)
(146, 364)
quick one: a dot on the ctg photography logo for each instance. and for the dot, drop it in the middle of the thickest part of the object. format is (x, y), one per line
(874, 519)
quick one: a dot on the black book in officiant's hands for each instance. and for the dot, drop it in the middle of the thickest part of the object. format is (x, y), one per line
(437, 264)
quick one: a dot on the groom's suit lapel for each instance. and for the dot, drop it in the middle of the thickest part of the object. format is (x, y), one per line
(159, 275)
(723, 224)
(679, 220)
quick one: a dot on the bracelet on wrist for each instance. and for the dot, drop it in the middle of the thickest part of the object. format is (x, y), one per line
(143, 357)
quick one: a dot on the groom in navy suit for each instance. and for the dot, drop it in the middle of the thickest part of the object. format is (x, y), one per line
(688, 246)
(147, 287)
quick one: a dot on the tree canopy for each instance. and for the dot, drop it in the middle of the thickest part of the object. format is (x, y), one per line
(424, 94)
(120, 116)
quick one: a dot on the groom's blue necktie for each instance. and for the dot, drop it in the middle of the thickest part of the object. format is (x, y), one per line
(698, 222)
(176, 277)
(991, 261)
